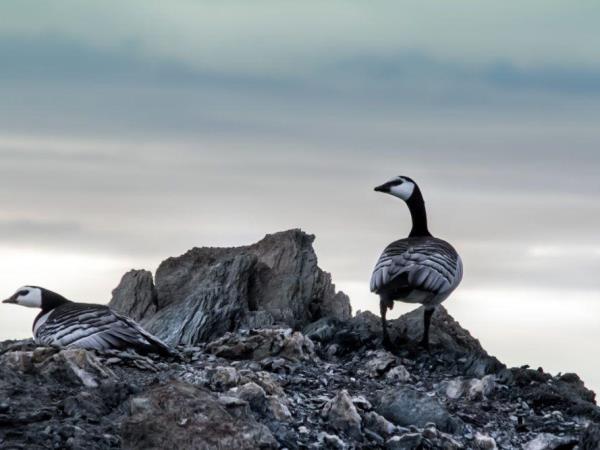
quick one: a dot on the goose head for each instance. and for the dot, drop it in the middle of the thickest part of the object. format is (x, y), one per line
(400, 186)
(29, 296)
(36, 297)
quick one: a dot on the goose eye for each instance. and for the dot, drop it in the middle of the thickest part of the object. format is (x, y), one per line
(23, 293)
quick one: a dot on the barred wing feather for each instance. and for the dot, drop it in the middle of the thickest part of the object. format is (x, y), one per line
(426, 264)
(95, 327)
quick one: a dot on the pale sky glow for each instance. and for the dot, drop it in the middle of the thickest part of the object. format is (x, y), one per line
(132, 131)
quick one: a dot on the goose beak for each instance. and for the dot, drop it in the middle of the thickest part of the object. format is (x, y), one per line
(12, 299)
(382, 188)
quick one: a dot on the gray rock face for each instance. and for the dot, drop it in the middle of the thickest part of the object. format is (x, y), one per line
(547, 441)
(405, 406)
(159, 416)
(590, 440)
(259, 344)
(208, 291)
(342, 415)
(135, 295)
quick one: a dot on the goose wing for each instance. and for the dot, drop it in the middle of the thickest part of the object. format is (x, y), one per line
(96, 327)
(425, 264)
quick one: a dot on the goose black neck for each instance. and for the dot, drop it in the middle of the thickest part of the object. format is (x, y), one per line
(51, 300)
(416, 206)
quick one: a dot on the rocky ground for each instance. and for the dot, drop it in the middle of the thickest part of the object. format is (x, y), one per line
(275, 388)
(322, 381)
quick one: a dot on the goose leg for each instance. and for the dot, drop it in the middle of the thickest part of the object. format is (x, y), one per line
(426, 323)
(387, 343)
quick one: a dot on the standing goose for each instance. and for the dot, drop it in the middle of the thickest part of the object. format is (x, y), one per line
(417, 269)
(63, 323)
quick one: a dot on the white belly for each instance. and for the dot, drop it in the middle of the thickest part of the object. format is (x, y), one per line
(40, 323)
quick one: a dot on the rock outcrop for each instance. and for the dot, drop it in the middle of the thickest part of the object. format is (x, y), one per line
(135, 296)
(208, 291)
(300, 379)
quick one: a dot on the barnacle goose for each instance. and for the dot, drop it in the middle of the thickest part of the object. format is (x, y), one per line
(417, 269)
(63, 323)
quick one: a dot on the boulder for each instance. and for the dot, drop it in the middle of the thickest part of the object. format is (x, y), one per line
(380, 362)
(70, 365)
(262, 404)
(379, 424)
(179, 415)
(209, 291)
(398, 374)
(446, 335)
(590, 438)
(408, 441)
(342, 415)
(331, 441)
(472, 389)
(484, 442)
(404, 406)
(547, 441)
(261, 344)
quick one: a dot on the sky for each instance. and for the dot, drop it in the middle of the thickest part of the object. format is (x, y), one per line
(133, 131)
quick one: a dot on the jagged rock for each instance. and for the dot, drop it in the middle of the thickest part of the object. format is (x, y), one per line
(379, 424)
(546, 441)
(82, 366)
(398, 374)
(472, 389)
(362, 403)
(135, 296)
(484, 442)
(590, 439)
(223, 378)
(405, 406)
(26, 360)
(278, 409)
(566, 391)
(408, 441)
(209, 291)
(68, 365)
(261, 403)
(180, 415)
(260, 344)
(331, 441)
(364, 329)
(254, 395)
(445, 332)
(380, 361)
(342, 415)
(323, 330)
(266, 381)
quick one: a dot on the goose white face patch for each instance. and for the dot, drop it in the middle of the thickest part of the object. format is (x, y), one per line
(403, 191)
(30, 297)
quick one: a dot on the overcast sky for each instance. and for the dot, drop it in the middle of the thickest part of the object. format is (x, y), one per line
(132, 131)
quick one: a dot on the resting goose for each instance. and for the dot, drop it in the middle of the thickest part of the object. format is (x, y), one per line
(63, 323)
(417, 269)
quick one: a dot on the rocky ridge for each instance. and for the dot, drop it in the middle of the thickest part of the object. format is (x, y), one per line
(292, 370)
